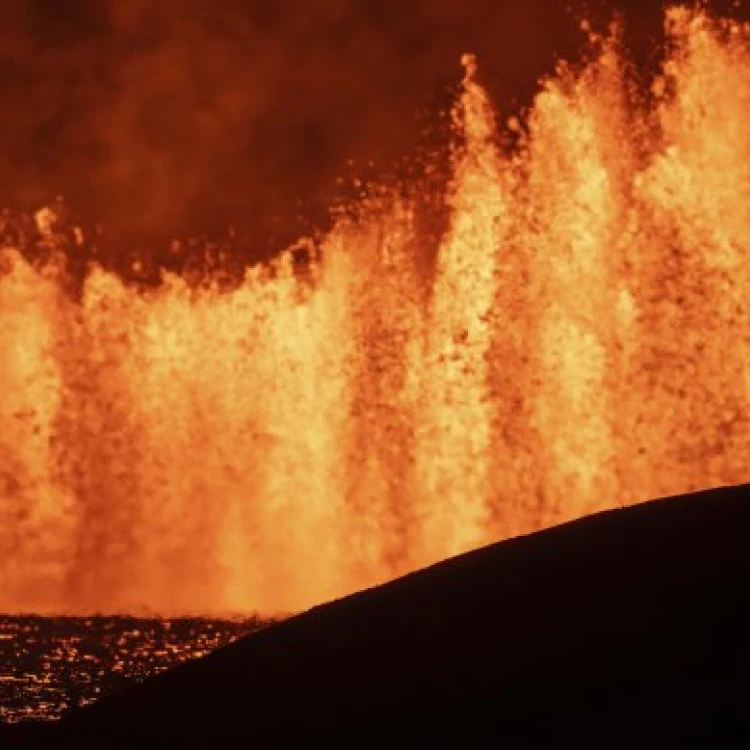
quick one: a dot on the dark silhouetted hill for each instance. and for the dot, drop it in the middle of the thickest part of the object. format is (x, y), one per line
(626, 629)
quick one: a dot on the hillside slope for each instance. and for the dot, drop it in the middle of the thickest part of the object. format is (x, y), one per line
(624, 629)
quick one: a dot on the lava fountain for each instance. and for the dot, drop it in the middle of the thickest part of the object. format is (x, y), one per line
(579, 335)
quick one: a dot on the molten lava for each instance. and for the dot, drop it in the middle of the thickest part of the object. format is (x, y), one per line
(581, 336)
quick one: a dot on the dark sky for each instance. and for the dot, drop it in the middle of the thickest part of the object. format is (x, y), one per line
(178, 116)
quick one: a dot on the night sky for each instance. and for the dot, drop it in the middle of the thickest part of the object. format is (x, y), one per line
(184, 116)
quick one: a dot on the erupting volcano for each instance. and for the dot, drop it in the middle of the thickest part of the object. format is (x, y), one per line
(579, 330)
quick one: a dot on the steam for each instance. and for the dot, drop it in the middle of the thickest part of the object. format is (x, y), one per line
(161, 120)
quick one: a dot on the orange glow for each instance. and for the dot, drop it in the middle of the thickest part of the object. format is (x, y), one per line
(578, 337)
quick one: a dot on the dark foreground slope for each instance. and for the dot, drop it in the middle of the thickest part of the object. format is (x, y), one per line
(626, 629)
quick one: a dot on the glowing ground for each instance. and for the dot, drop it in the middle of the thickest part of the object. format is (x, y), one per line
(49, 665)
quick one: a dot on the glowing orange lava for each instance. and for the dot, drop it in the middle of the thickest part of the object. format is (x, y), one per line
(582, 339)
